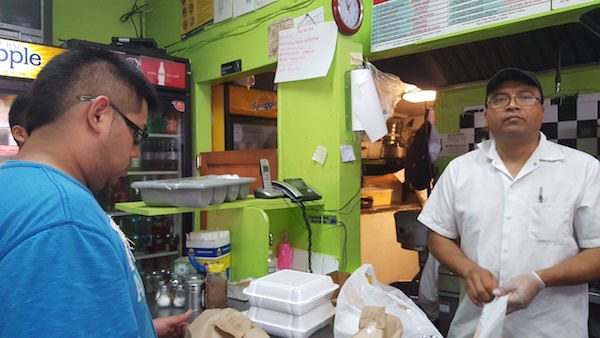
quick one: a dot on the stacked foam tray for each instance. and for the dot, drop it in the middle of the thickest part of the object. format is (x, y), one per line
(290, 303)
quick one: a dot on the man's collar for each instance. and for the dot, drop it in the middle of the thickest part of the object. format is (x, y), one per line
(545, 150)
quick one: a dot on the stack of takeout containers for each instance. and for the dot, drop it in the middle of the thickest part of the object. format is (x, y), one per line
(290, 303)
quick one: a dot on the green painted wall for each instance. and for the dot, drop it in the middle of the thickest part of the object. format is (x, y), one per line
(91, 20)
(311, 111)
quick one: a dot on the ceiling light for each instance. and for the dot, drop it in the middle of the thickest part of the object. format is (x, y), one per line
(415, 94)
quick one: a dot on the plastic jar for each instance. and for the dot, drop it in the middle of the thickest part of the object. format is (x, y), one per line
(216, 287)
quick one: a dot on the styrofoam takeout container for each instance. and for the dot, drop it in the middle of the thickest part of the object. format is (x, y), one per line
(290, 291)
(289, 326)
(194, 192)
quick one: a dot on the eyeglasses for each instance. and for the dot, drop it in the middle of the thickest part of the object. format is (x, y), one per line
(139, 135)
(503, 100)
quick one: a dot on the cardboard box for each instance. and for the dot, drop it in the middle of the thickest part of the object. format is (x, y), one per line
(339, 278)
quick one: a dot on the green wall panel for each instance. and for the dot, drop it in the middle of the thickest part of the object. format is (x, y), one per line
(92, 20)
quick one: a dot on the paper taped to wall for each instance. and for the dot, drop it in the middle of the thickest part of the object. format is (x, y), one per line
(366, 108)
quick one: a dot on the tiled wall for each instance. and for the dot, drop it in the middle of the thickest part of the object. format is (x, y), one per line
(574, 122)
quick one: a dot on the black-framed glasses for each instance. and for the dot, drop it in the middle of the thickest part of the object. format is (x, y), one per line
(503, 100)
(139, 135)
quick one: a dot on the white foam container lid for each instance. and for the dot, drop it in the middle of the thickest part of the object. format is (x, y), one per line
(290, 326)
(290, 291)
(196, 192)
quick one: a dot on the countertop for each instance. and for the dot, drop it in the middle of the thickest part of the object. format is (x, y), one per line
(326, 332)
(390, 207)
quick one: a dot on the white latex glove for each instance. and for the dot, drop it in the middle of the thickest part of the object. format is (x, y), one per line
(522, 290)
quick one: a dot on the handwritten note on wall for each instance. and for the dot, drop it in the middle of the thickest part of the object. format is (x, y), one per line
(306, 52)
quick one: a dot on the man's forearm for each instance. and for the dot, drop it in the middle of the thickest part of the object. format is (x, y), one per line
(579, 269)
(447, 252)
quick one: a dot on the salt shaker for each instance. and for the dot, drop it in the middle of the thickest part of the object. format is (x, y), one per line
(179, 300)
(163, 298)
(216, 287)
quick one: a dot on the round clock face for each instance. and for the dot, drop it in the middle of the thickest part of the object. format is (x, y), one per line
(348, 15)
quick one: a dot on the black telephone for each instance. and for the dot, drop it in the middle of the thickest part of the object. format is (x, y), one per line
(294, 188)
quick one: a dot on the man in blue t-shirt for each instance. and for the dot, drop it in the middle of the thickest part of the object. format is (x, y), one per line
(68, 271)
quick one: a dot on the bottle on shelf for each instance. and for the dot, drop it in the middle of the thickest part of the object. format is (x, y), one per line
(284, 260)
(172, 155)
(147, 156)
(136, 163)
(161, 154)
(172, 122)
(271, 266)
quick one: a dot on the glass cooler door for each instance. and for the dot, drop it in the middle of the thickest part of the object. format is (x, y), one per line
(158, 240)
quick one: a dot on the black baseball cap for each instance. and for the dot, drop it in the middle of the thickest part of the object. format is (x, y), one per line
(512, 74)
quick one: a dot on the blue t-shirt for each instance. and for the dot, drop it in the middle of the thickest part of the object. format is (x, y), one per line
(64, 270)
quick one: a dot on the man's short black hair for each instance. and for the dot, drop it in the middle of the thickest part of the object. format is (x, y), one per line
(17, 116)
(90, 72)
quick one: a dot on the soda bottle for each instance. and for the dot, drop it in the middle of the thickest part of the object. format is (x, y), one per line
(172, 161)
(172, 121)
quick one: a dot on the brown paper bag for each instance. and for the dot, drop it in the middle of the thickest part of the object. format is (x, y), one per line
(223, 323)
(375, 323)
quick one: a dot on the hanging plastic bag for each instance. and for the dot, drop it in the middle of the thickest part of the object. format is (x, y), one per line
(357, 292)
(492, 318)
(389, 88)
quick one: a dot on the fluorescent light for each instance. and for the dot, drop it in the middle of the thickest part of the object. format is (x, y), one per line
(415, 94)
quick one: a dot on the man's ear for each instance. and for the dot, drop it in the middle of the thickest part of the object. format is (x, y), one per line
(99, 113)
(19, 134)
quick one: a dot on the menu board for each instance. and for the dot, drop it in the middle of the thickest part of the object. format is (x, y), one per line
(397, 23)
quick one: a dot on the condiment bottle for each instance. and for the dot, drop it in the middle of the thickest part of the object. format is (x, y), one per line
(216, 287)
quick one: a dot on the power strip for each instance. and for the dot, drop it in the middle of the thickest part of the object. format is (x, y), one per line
(322, 219)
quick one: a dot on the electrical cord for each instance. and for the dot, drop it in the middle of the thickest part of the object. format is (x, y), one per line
(308, 227)
(136, 10)
(344, 258)
(247, 27)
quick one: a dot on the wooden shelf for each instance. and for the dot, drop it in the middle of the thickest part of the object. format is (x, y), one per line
(141, 208)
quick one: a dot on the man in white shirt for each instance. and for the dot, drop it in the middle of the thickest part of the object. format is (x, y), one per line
(527, 212)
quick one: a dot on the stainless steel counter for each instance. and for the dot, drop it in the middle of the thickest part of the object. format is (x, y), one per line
(326, 332)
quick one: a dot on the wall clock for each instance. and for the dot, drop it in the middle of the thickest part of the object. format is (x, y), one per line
(348, 15)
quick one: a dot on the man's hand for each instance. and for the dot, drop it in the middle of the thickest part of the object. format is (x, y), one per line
(522, 289)
(172, 326)
(479, 285)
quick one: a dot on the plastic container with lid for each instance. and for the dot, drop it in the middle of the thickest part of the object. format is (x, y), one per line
(194, 192)
(286, 325)
(290, 291)
(216, 287)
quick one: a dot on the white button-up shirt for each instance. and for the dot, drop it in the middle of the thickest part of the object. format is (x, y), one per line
(514, 226)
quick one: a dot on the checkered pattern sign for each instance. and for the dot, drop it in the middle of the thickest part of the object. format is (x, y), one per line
(571, 121)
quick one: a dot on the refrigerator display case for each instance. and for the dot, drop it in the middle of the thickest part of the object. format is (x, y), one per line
(166, 153)
(16, 77)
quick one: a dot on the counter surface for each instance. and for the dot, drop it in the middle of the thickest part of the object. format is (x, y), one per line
(326, 332)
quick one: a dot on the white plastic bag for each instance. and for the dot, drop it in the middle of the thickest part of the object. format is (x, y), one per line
(357, 292)
(492, 318)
